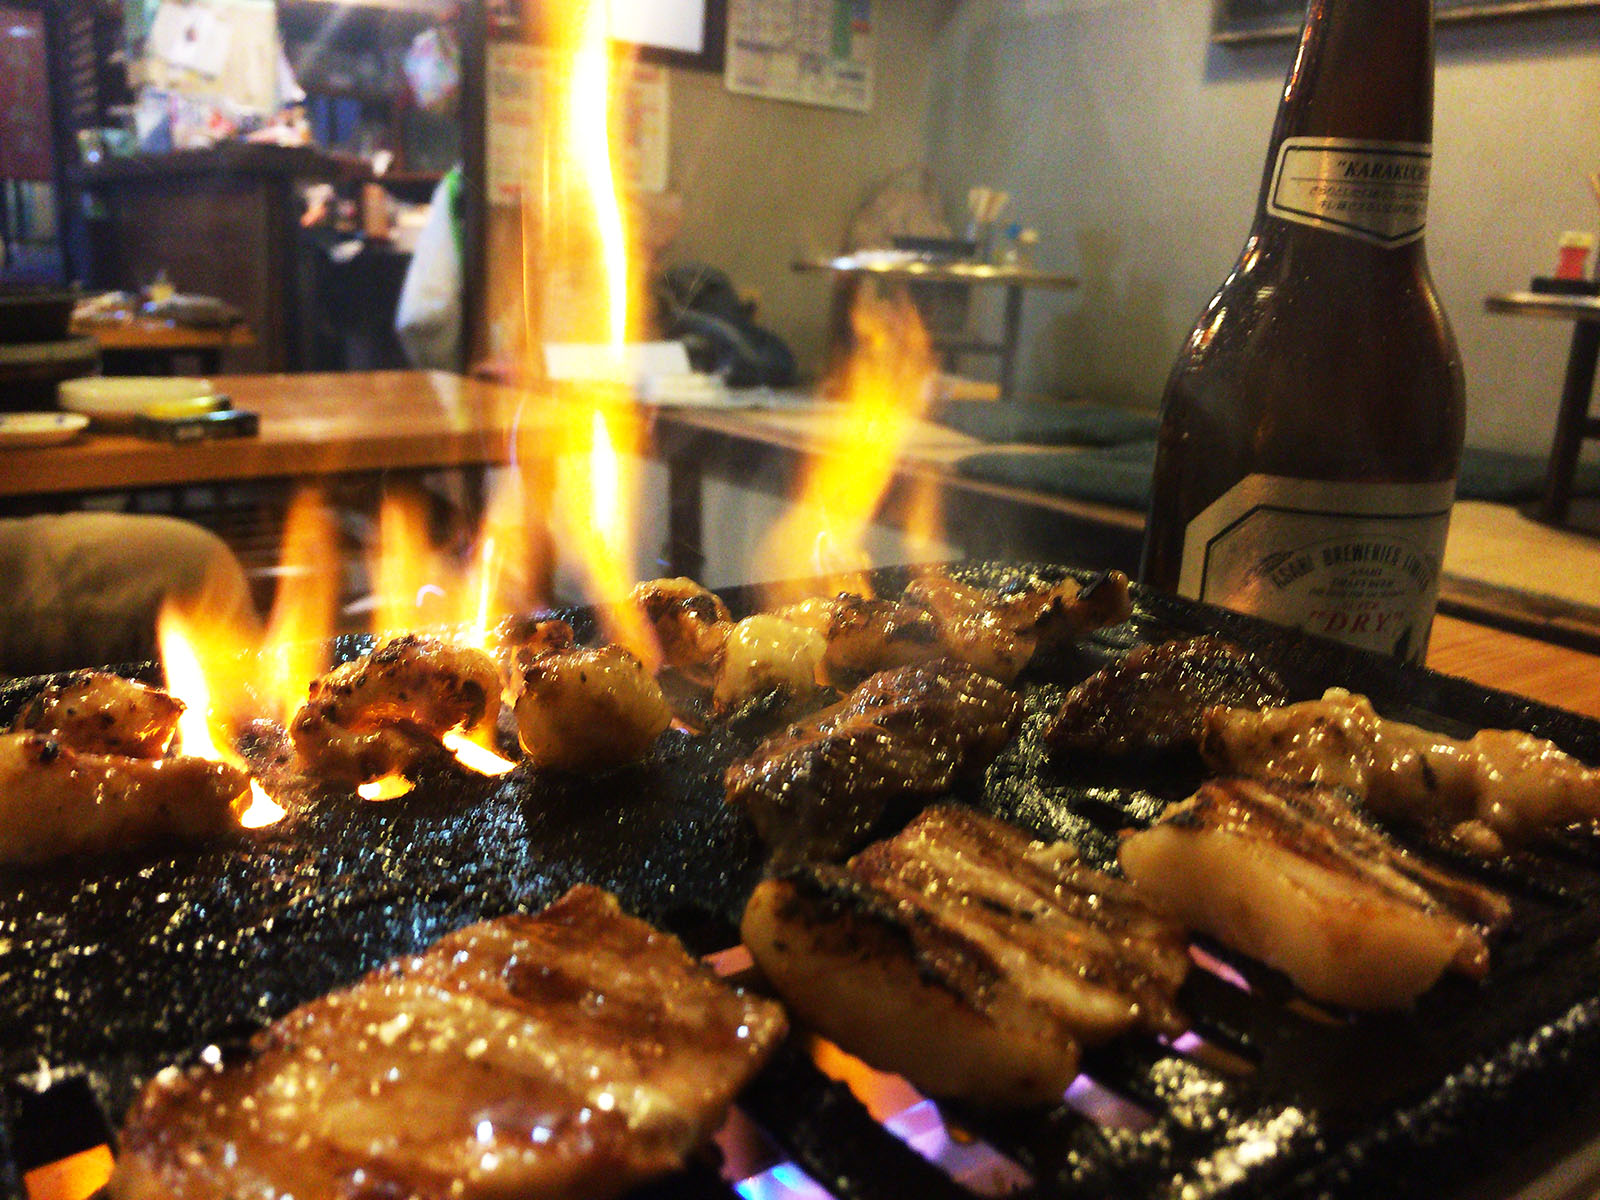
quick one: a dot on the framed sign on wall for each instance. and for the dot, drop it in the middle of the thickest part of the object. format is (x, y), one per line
(1240, 21)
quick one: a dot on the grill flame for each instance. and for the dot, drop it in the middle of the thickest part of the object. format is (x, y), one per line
(885, 386)
(180, 639)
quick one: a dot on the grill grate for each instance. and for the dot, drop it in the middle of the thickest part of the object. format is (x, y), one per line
(114, 968)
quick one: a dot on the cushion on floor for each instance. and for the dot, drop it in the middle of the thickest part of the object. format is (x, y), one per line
(1120, 475)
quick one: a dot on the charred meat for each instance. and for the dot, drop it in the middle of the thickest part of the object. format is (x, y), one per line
(587, 708)
(967, 957)
(385, 712)
(1500, 786)
(574, 1053)
(1292, 875)
(689, 621)
(518, 639)
(1153, 697)
(818, 788)
(56, 800)
(101, 713)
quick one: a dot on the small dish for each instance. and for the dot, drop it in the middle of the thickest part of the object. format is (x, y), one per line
(113, 401)
(40, 428)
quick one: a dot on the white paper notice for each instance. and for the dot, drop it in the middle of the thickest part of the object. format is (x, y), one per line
(515, 86)
(810, 51)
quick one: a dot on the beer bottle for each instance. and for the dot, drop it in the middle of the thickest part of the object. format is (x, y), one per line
(1312, 427)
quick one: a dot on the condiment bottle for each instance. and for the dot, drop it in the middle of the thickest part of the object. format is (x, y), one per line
(1312, 427)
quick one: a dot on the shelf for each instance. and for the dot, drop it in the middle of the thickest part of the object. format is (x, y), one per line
(427, 10)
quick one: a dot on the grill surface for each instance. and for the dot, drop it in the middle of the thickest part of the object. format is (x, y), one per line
(112, 969)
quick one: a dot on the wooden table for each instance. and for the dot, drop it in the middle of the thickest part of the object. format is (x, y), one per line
(144, 346)
(311, 426)
(1542, 671)
(1014, 278)
(1573, 422)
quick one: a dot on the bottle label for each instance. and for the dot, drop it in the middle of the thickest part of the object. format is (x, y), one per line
(1357, 562)
(1375, 191)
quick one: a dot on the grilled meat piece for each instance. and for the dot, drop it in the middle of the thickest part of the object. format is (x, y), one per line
(972, 626)
(101, 713)
(588, 707)
(56, 800)
(938, 617)
(386, 711)
(519, 638)
(1292, 875)
(864, 634)
(573, 1053)
(1034, 616)
(689, 621)
(765, 653)
(1153, 697)
(818, 788)
(1500, 786)
(967, 957)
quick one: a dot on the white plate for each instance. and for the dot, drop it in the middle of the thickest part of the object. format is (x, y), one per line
(117, 399)
(40, 428)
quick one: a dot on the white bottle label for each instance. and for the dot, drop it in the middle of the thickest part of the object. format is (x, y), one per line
(1358, 562)
(1375, 191)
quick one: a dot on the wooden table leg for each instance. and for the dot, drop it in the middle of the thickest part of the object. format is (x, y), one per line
(1572, 422)
(685, 517)
(1010, 334)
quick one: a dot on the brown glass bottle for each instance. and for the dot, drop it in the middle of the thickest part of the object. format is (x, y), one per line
(1312, 426)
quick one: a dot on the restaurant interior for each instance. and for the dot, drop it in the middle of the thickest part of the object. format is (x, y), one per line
(325, 320)
(278, 211)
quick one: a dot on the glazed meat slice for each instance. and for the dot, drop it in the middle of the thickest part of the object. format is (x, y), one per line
(1153, 697)
(573, 1053)
(56, 801)
(386, 711)
(1292, 875)
(818, 788)
(967, 957)
(1500, 786)
(101, 713)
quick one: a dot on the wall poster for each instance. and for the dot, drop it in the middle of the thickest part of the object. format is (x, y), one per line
(514, 90)
(809, 51)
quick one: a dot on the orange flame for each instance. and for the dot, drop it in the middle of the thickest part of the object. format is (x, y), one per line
(475, 756)
(601, 443)
(579, 286)
(387, 787)
(297, 645)
(198, 731)
(885, 388)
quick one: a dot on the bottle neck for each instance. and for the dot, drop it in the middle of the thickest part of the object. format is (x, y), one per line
(1361, 81)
